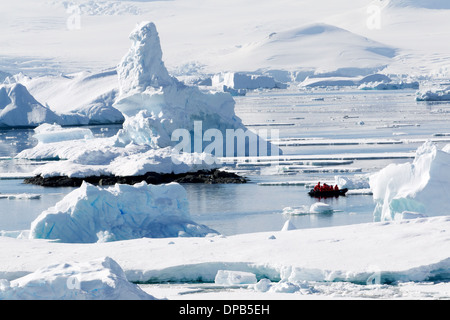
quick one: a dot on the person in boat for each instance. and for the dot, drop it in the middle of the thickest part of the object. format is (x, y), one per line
(336, 188)
(317, 187)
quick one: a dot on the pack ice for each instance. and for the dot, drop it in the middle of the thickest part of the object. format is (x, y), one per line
(92, 214)
(414, 189)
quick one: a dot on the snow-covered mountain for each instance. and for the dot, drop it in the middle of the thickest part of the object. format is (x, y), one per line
(73, 36)
(319, 47)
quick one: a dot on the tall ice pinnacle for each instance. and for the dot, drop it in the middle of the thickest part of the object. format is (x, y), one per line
(142, 66)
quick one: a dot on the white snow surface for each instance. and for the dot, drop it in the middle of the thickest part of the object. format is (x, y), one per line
(47, 133)
(420, 186)
(99, 279)
(93, 214)
(294, 258)
(238, 81)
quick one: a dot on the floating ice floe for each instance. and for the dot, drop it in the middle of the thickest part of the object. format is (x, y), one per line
(163, 104)
(47, 133)
(100, 279)
(20, 196)
(238, 83)
(389, 86)
(434, 94)
(419, 187)
(317, 207)
(91, 214)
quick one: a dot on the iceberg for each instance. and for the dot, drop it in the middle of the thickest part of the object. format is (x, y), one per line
(359, 181)
(159, 111)
(433, 94)
(230, 278)
(82, 155)
(381, 85)
(77, 99)
(18, 108)
(100, 279)
(47, 133)
(243, 81)
(418, 187)
(92, 214)
(162, 103)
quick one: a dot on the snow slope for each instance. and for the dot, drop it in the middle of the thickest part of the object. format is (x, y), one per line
(319, 47)
(156, 104)
(433, 94)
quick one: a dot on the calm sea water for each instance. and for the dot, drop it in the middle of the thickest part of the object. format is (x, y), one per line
(234, 209)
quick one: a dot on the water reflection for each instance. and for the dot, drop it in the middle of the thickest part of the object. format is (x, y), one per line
(233, 209)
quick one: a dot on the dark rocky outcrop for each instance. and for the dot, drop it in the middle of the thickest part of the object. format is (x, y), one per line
(203, 176)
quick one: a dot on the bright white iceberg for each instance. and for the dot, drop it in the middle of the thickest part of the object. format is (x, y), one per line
(162, 103)
(92, 214)
(419, 187)
(100, 279)
(381, 85)
(47, 133)
(82, 98)
(433, 94)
